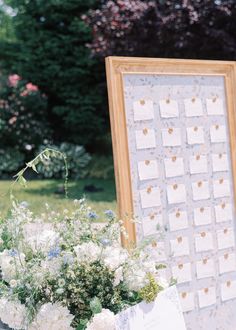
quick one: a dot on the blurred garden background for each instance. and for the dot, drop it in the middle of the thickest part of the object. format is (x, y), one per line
(53, 87)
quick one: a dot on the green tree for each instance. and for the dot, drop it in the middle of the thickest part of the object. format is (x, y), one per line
(51, 52)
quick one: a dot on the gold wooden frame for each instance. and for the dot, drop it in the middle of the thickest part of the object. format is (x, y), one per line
(116, 67)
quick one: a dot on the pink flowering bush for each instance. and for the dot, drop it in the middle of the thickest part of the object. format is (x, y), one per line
(23, 119)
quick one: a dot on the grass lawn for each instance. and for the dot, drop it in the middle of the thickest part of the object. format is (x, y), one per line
(39, 192)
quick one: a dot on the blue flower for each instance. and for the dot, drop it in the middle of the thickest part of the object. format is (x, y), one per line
(54, 253)
(109, 214)
(92, 215)
(13, 253)
(105, 241)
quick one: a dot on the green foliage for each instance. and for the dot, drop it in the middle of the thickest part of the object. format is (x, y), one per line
(52, 53)
(77, 159)
(101, 167)
(150, 291)
(23, 121)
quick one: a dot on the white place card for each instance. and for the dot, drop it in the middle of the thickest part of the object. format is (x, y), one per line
(171, 137)
(225, 238)
(152, 224)
(207, 297)
(227, 263)
(162, 314)
(182, 272)
(178, 220)
(169, 108)
(143, 110)
(223, 212)
(195, 135)
(187, 301)
(221, 188)
(220, 162)
(150, 197)
(145, 138)
(202, 216)
(176, 193)
(204, 242)
(228, 290)
(179, 246)
(174, 166)
(200, 190)
(205, 268)
(193, 107)
(214, 106)
(198, 164)
(148, 169)
(156, 250)
(218, 133)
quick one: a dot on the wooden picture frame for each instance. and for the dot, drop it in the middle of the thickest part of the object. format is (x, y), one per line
(208, 299)
(116, 67)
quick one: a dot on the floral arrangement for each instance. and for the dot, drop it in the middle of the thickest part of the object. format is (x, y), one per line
(62, 271)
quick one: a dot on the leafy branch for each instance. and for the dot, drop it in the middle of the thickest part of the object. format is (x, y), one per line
(41, 157)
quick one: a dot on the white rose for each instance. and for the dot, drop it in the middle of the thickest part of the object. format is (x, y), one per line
(13, 313)
(114, 257)
(52, 317)
(10, 264)
(87, 252)
(102, 321)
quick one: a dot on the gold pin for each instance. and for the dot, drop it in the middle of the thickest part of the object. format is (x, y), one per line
(184, 294)
(180, 266)
(214, 99)
(195, 129)
(199, 184)
(154, 244)
(226, 256)
(142, 102)
(206, 290)
(198, 157)
(220, 155)
(202, 209)
(177, 214)
(223, 205)
(228, 283)
(204, 261)
(173, 158)
(149, 189)
(152, 216)
(145, 131)
(221, 181)
(225, 231)
(217, 126)
(167, 101)
(203, 234)
(147, 162)
(170, 130)
(193, 99)
(179, 239)
(175, 186)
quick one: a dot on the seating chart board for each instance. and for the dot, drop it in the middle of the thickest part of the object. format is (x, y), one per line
(173, 129)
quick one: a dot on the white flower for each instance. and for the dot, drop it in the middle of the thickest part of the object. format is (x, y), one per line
(118, 276)
(135, 276)
(40, 236)
(10, 264)
(114, 257)
(102, 321)
(52, 317)
(162, 282)
(89, 252)
(52, 266)
(12, 313)
(13, 283)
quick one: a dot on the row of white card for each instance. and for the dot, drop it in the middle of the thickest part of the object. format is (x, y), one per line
(176, 193)
(171, 137)
(178, 220)
(174, 166)
(169, 108)
(204, 241)
(207, 296)
(205, 268)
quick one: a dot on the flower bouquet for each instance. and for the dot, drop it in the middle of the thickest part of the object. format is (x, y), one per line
(63, 271)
